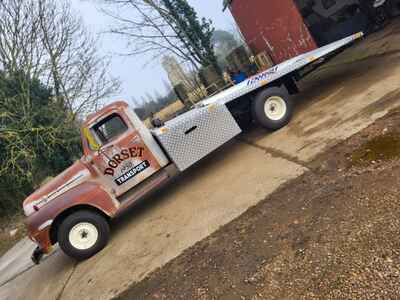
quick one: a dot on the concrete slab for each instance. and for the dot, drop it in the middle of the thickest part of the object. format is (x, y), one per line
(16, 260)
(44, 282)
(215, 192)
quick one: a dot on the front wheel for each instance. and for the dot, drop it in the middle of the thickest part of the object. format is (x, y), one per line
(83, 234)
(272, 108)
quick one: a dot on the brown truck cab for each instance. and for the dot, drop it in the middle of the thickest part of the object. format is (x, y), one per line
(121, 162)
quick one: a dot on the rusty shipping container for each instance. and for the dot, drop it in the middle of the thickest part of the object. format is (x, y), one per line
(274, 26)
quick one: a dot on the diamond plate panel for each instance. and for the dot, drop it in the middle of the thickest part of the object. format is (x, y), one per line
(191, 136)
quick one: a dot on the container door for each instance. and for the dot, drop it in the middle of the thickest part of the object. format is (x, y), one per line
(274, 26)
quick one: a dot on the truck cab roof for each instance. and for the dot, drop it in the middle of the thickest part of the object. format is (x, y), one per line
(106, 110)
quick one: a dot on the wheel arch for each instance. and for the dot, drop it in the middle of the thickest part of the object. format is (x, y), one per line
(65, 213)
(241, 106)
(287, 82)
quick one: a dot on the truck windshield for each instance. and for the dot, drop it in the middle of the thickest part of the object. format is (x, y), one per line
(110, 128)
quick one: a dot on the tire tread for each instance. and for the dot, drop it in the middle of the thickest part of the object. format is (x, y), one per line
(83, 216)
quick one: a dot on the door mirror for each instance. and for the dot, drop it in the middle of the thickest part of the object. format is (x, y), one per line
(90, 139)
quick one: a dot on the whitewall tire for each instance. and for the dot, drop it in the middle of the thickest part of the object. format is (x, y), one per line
(83, 234)
(272, 108)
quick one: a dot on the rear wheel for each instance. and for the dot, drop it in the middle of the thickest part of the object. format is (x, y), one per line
(272, 108)
(83, 234)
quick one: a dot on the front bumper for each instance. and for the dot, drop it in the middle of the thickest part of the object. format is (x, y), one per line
(42, 239)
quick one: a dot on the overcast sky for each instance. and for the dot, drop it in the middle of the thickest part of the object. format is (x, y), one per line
(136, 78)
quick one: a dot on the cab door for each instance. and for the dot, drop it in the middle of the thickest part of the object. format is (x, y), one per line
(123, 159)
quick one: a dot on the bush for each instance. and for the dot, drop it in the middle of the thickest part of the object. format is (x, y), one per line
(37, 138)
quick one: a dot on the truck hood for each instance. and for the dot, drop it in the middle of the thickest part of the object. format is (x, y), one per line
(70, 178)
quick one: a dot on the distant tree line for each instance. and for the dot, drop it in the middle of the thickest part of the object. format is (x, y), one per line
(150, 104)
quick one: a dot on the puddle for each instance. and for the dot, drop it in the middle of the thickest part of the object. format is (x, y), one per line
(385, 147)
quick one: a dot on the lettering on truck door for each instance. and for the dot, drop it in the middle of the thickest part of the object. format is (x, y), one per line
(123, 159)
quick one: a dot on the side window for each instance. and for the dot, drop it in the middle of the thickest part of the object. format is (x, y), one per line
(110, 128)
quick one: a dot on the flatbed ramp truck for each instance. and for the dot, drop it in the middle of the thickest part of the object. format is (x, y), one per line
(123, 160)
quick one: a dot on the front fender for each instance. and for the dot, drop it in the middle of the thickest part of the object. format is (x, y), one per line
(87, 193)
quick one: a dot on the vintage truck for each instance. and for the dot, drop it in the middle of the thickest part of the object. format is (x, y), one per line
(123, 160)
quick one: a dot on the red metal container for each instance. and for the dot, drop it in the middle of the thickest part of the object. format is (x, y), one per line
(275, 26)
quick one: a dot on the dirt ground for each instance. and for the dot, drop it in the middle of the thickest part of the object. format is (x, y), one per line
(332, 233)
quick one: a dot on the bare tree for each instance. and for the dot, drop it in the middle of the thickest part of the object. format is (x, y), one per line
(44, 39)
(163, 27)
(20, 37)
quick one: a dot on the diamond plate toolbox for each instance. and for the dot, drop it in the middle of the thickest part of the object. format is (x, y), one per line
(191, 136)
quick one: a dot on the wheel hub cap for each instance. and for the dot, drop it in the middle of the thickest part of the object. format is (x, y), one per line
(83, 236)
(275, 108)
